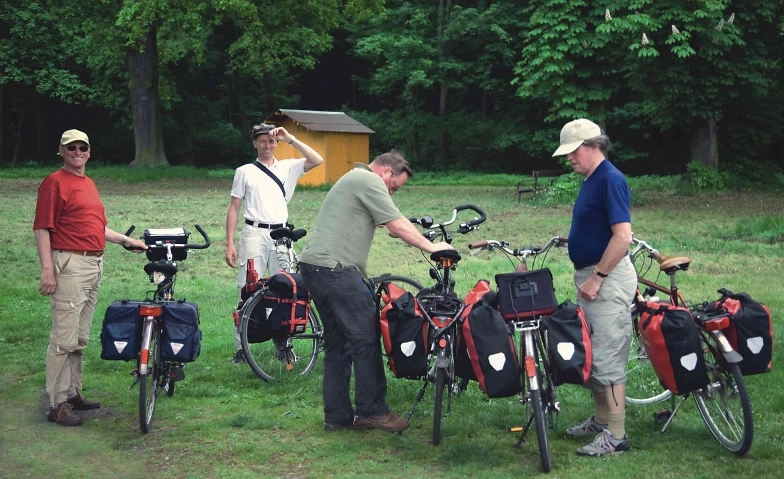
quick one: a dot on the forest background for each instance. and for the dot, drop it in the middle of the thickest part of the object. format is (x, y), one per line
(453, 84)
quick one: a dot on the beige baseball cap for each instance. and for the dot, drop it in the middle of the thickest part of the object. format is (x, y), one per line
(74, 135)
(574, 133)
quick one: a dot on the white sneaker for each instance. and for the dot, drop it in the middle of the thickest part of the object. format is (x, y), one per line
(605, 444)
(589, 426)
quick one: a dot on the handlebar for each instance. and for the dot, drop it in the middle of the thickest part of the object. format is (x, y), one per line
(428, 223)
(640, 245)
(523, 253)
(161, 245)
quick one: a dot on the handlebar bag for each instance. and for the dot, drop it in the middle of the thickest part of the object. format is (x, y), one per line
(463, 366)
(673, 345)
(491, 350)
(166, 235)
(403, 332)
(121, 332)
(569, 345)
(181, 339)
(287, 302)
(750, 332)
(526, 295)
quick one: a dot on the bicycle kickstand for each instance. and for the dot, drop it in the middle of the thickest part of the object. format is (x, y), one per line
(419, 398)
(519, 443)
(674, 411)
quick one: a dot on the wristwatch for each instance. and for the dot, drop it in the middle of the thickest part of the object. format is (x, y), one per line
(598, 273)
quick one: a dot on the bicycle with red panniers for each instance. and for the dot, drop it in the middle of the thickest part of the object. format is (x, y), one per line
(420, 332)
(527, 301)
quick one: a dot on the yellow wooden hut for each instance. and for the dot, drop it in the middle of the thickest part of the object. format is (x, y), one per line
(338, 138)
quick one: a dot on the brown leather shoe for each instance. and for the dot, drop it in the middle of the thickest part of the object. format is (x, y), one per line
(79, 403)
(345, 426)
(389, 422)
(63, 415)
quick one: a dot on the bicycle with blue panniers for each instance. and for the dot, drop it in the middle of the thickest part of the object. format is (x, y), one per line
(160, 333)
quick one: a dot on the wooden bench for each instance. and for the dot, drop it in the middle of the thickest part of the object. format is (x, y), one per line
(532, 184)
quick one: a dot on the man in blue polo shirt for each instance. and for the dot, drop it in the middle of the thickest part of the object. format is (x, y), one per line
(605, 279)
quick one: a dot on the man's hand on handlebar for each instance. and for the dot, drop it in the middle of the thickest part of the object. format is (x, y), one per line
(440, 246)
(134, 245)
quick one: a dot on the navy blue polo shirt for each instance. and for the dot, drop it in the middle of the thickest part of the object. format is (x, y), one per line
(604, 200)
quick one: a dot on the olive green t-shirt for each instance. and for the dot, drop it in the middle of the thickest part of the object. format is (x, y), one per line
(349, 216)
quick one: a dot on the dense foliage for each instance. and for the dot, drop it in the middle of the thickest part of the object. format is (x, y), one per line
(470, 84)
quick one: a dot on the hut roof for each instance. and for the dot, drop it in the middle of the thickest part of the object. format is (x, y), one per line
(321, 120)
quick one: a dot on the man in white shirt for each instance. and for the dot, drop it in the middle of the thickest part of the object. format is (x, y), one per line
(266, 186)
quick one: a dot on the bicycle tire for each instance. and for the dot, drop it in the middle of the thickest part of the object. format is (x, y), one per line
(642, 385)
(266, 359)
(538, 407)
(407, 284)
(148, 383)
(437, 405)
(724, 404)
(546, 384)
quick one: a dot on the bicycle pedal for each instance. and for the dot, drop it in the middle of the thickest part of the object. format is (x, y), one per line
(662, 416)
(289, 366)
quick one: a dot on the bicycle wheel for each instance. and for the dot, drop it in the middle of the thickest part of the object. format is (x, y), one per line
(439, 398)
(406, 284)
(546, 384)
(642, 385)
(724, 404)
(538, 406)
(148, 383)
(282, 356)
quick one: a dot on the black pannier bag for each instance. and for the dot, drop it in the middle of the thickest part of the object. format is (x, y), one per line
(287, 303)
(526, 295)
(258, 329)
(569, 345)
(463, 366)
(673, 345)
(750, 332)
(121, 333)
(403, 332)
(166, 235)
(492, 352)
(181, 339)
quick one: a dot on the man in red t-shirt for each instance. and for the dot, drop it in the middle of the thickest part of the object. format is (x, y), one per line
(70, 235)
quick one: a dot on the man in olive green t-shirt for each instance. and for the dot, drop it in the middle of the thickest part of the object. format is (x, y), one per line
(333, 268)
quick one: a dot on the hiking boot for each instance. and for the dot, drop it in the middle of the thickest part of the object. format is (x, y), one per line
(589, 426)
(63, 415)
(346, 426)
(79, 403)
(389, 422)
(239, 358)
(605, 444)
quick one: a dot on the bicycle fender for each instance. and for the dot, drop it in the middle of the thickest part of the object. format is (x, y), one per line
(730, 355)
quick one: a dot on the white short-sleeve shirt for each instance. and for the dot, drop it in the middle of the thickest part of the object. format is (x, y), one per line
(264, 202)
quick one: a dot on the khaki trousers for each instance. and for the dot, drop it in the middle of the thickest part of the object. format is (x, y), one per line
(72, 307)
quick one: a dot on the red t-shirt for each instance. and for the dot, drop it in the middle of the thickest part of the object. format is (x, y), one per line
(71, 209)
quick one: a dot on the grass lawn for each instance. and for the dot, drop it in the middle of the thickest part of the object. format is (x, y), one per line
(223, 422)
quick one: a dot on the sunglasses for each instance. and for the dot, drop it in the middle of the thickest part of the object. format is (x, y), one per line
(83, 148)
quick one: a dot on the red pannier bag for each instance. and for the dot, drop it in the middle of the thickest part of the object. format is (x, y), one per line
(750, 332)
(569, 345)
(463, 366)
(403, 332)
(491, 350)
(673, 345)
(287, 302)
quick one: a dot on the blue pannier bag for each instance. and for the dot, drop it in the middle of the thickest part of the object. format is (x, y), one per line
(121, 333)
(181, 340)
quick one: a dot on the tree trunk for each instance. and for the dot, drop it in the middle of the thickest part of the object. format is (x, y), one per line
(704, 146)
(145, 103)
(18, 144)
(244, 128)
(39, 126)
(444, 8)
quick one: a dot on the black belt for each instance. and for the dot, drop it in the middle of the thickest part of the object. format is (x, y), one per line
(584, 265)
(263, 225)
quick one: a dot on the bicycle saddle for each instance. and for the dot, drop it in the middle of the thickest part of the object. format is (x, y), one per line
(167, 269)
(678, 262)
(449, 254)
(287, 233)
